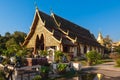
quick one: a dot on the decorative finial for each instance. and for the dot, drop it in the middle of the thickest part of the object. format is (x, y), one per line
(53, 31)
(61, 39)
(51, 11)
(76, 38)
(35, 4)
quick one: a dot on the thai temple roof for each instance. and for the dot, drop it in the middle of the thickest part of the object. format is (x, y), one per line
(62, 29)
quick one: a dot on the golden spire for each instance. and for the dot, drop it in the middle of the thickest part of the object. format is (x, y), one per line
(100, 38)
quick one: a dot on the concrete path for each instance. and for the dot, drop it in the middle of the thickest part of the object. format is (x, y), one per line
(108, 69)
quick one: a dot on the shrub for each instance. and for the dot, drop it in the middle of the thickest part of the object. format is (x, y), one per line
(42, 52)
(58, 56)
(2, 75)
(93, 57)
(61, 68)
(116, 57)
(44, 70)
(38, 77)
(117, 62)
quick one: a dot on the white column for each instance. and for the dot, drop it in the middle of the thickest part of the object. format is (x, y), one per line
(57, 48)
(88, 48)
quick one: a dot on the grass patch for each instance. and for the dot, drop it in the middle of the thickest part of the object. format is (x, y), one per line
(117, 66)
(84, 63)
(107, 60)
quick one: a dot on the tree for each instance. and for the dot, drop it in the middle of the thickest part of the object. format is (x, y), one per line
(19, 36)
(108, 43)
(2, 42)
(117, 49)
(93, 57)
(10, 43)
(7, 34)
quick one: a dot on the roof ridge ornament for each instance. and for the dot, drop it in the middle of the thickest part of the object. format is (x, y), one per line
(44, 22)
(57, 23)
(53, 31)
(61, 39)
(67, 32)
(75, 38)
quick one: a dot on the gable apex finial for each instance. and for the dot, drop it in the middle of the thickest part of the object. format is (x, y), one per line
(51, 11)
(35, 4)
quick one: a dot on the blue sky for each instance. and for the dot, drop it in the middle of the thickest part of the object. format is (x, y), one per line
(94, 15)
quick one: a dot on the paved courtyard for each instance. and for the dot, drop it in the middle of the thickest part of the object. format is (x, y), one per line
(108, 69)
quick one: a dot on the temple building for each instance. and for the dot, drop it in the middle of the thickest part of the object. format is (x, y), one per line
(52, 32)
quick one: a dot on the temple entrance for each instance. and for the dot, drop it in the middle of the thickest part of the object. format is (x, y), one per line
(39, 44)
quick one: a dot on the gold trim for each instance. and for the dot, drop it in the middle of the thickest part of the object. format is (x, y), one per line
(58, 24)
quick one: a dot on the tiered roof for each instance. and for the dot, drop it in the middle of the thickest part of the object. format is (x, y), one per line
(63, 30)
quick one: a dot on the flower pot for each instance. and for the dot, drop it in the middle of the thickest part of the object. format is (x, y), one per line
(31, 61)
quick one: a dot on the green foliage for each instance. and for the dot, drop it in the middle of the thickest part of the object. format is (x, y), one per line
(44, 69)
(6, 61)
(2, 75)
(116, 57)
(93, 57)
(58, 56)
(61, 67)
(108, 42)
(6, 53)
(117, 62)
(19, 36)
(1, 51)
(117, 49)
(42, 52)
(22, 52)
(10, 43)
(7, 34)
(38, 77)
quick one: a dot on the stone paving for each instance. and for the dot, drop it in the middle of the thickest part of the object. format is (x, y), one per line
(108, 69)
